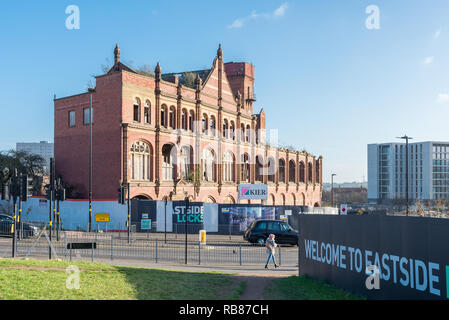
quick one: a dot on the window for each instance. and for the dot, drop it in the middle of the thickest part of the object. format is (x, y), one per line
(245, 168)
(186, 155)
(208, 163)
(147, 112)
(273, 225)
(168, 167)
(285, 227)
(248, 131)
(136, 114)
(184, 119)
(212, 125)
(172, 116)
(204, 124)
(164, 116)
(232, 130)
(228, 167)
(225, 129)
(72, 122)
(141, 154)
(191, 119)
(261, 226)
(281, 170)
(86, 114)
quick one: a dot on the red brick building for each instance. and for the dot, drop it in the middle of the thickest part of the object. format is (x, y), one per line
(192, 132)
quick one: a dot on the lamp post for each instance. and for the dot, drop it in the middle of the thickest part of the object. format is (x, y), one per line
(91, 91)
(187, 209)
(406, 138)
(332, 187)
(165, 231)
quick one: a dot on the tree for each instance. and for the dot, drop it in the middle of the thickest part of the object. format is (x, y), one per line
(26, 163)
(189, 79)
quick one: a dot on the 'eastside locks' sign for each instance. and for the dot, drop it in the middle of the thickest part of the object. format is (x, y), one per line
(195, 213)
(253, 191)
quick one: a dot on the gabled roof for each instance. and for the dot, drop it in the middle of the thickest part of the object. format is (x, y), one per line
(121, 67)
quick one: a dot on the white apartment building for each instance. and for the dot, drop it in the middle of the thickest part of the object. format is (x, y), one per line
(428, 164)
(44, 148)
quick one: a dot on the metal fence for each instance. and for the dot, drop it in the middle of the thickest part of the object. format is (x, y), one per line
(116, 246)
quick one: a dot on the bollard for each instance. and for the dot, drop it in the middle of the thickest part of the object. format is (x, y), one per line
(199, 252)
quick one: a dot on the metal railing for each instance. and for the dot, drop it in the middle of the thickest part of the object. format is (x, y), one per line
(157, 250)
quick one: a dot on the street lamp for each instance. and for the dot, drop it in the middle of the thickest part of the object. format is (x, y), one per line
(332, 187)
(406, 138)
(91, 91)
(165, 231)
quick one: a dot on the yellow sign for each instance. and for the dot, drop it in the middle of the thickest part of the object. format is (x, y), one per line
(102, 217)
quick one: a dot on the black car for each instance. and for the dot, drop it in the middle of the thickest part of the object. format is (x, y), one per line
(6, 222)
(260, 229)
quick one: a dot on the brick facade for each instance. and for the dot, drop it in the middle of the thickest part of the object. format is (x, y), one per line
(165, 135)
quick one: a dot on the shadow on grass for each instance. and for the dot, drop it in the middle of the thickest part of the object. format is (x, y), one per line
(43, 279)
(304, 288)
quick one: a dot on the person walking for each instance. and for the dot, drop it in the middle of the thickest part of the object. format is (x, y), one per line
(271, 245)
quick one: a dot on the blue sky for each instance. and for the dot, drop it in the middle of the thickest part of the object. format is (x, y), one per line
(329, 84)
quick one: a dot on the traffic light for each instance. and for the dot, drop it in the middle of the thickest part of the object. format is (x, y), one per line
(60, 194)
(26, 187)
(5, 191)
(48, 194)
(121, 195)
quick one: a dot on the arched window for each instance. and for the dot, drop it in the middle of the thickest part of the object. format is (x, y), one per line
(172, 118)
(291, 171)
(310, 172)
(228, 167)
(184, 119)
(191, 120)
(141, 161)
(259, 168)
(212, 125)
(271, 170)
(147, 112)
(225, 129)
(317, 174)
(186, 163)
(204, 123)
(232, 130)
(302, 172)
(164, 115)
(208, 164)
(168, 163)
(242, 132)
(136, 110)
(248, 131)
(245, 168)
(281, 177)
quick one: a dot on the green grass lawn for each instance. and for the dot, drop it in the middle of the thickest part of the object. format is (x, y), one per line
(303, 288)
(35, 279)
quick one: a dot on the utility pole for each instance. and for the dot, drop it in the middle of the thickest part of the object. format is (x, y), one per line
(406, 138)
(91, 91)
(15, 193)
(187, 208)
(165, 224)
(332, 187)
(129, 214)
